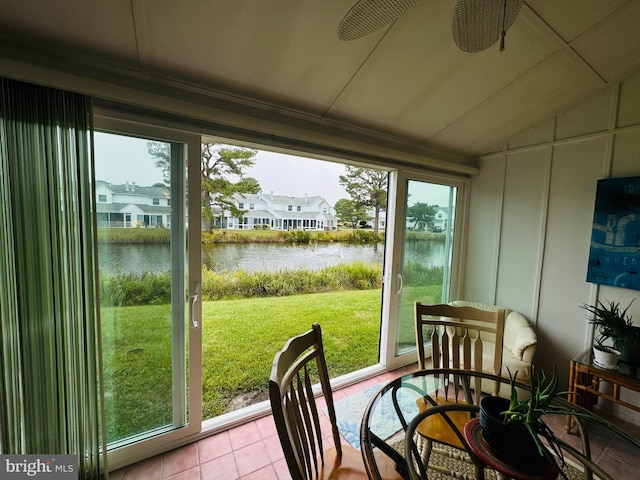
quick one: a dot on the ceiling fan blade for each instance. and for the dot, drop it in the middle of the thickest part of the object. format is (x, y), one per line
(367, 16)
(478, 25)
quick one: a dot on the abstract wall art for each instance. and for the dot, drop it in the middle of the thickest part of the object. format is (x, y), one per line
(614, 255)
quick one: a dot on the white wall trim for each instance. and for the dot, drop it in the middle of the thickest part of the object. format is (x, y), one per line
(498, 233)
(567, 141)
(543, 232)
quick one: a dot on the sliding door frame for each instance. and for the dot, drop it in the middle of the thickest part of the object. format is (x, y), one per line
(394, 250)
(119, 123)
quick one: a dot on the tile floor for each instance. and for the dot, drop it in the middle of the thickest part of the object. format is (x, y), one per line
(252, 452)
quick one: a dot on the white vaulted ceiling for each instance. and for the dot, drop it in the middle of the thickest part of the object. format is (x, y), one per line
(407, 80)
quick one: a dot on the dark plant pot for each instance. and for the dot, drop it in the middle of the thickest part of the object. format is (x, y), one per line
(630, 347)
(512, 443)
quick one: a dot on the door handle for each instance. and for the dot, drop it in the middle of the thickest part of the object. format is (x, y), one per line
(193, 301)
(400, 284)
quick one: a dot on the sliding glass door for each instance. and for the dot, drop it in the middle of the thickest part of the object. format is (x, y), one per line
(149, 281)
(149, 228)
(424, 253)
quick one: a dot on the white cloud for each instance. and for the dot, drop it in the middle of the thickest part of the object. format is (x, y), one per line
(296, 176)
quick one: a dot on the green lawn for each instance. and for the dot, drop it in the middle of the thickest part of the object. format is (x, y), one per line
(240, 338)
(137, 368)
(239, 341)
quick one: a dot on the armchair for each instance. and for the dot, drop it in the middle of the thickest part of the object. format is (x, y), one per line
(519, 342)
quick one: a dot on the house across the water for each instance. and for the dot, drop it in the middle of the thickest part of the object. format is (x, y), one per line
(280, 212)
(129, 205)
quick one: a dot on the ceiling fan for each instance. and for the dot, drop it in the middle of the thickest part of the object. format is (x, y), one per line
(476, 24)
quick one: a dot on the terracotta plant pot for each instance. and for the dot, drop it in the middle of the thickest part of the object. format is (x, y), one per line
(512, 443)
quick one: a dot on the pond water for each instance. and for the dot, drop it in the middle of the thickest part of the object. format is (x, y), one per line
(255, 257)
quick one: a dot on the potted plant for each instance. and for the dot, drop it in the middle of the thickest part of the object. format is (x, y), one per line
(611, 323)
(512, 427)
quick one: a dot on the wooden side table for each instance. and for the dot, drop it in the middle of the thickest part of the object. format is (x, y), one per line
(585, 379)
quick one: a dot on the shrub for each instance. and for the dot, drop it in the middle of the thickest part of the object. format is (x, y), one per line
(365, 236)
(226, 285)
(155, 288)
(133, 235)
(414, 236)
(297, 236)
(293, 236)
(416, 274)
(135, 289)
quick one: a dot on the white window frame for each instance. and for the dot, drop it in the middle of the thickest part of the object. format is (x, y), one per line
(393, 254)
(115, 122)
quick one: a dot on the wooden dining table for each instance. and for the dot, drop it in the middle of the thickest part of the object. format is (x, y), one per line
(391, 417)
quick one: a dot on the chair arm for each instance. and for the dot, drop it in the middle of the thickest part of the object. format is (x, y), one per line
(528, 353)
(520, 337)
(514, 365)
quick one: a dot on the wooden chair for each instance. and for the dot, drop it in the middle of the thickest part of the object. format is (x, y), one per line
(461, 338)
(458, 336)
(297, 418)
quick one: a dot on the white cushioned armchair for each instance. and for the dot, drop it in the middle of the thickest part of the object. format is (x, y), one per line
(519, 346)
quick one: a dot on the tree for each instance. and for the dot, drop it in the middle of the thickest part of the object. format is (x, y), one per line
(222, 168)
(348, 212)
(421, 214)
(368, 189)
(220, 164)
(161, 151)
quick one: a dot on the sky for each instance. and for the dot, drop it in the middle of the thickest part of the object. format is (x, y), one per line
(121, 159)
(296, 176)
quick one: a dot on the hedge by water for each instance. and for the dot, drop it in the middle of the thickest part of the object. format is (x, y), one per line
(155, 289)
(161, 235)
(292, 236)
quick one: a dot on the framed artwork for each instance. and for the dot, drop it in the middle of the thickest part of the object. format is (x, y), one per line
(614, 255)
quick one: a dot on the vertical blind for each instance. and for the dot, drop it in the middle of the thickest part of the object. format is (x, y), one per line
(50, 399)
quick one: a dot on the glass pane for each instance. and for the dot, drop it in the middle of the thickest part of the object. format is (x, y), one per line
(141, 255)
(426, 253)
(294, 250)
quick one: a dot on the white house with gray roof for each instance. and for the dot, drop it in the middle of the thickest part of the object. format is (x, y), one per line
(441, 219)
(129, 205)
(279, 212)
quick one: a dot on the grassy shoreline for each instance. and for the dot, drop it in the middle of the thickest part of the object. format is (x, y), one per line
(132, 289)
(161, 235)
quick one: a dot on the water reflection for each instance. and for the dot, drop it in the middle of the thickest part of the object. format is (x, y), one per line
(257, 257)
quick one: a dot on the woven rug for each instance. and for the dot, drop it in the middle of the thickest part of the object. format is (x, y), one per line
(349, 413)
(443, 456)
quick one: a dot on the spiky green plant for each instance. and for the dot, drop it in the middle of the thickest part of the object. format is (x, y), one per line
(528, 412)
(611, 323)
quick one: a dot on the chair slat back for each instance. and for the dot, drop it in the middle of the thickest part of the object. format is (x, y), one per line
(456, 336)
(294, 406)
